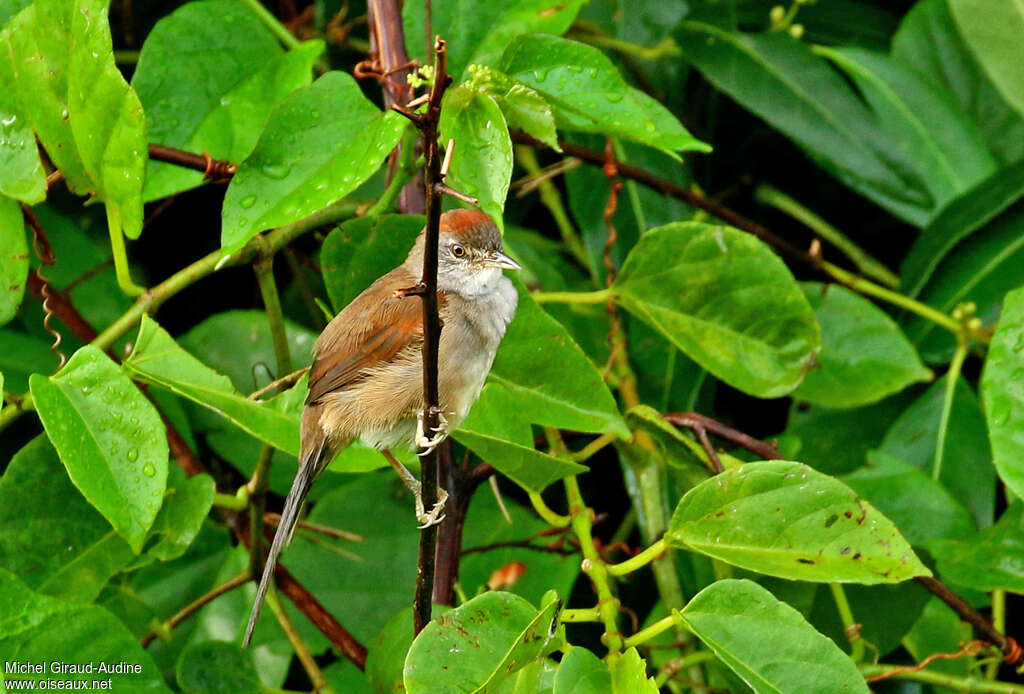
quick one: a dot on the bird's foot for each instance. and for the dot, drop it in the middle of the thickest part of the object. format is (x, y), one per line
(429, 443)
(435, 516)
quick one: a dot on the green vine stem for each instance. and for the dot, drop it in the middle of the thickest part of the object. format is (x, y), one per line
(999, 622)
(15, 409)
(120, 253)
(550, 517)
(967, 685)
(271, 22)
(583, 614)
(234, 502)
(320, 685)
(952, 376)
(598, 296)
(640, 560)
(648, 633)
(865, 263)
(850, 626)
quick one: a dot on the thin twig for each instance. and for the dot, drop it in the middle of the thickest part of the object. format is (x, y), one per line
(197, 604)
(280, 384)
(698, 423)
(213, 169)
(275, 518)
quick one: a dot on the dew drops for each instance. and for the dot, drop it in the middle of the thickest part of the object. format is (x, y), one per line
(148, 470)
(614, 97)
(85, 390)
(276, 171)
(132, 454)
(248, 201)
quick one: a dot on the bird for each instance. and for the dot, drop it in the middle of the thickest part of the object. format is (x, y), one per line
(366, 380)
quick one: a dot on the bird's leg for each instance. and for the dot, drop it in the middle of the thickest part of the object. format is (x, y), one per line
(409, 480)
(440, 433)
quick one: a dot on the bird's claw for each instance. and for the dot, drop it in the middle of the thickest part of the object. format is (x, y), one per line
(428, 444)
(435, 516)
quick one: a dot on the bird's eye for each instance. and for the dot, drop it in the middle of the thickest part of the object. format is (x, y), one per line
(458, 251)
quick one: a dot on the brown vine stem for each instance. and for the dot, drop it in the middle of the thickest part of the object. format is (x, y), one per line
(194, 606)
(701, 424)
(213, 169)
(427, 124)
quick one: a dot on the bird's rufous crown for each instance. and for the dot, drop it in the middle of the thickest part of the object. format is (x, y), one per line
(471, 227)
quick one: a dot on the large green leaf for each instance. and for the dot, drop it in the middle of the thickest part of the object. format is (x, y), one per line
(498, 431)
(318, 145)
(21, 355)
(781, 80)
(726, 300)
(40, 630)
(589, 95)
(158, 359)
(479, 32)
(216, 666)
(87, 117)
(992, 560)
(785, 519)
(1002, 387)
(964, 215)
(109, 437)
(50, 536)
(481, 165)
(13, 258)
(208, 76)
(737, 618)
(967, 470)
(992, 28)
(582, 672)
(864, 355)
(21, 171)
(946, 150)
(477, 645)
(928, 41)
(186, 506)
(919, 506)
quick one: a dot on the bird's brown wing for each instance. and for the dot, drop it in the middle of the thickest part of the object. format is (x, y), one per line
(374, 328)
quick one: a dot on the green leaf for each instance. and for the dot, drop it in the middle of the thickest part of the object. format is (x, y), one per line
(945, 149)
(530, 112)
(109, 437)
(629, 674)
(39, 629)
(582, 672)
(50, 536)
(991, 560)
(967, 471)
(208, 76)
(963, 216)
(185, 508)
(992, 28)
(87, 117)
(919, 506)
(360, 250)
(13, 258)
(385, 658)
(864, 355)
(209, 667)
(928, 41)
(737, 618)
(481, 165)
(1002, 386)
(939, 630)
(782, 81)
(159, 360)
(479, 32)
(497, 430)
(785, 519)
(21, 171)
(318, 145)
(21, 355)
(589, 95)
(726, 300)
(480, 643)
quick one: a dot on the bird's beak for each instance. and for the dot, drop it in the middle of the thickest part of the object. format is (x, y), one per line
(499, 259)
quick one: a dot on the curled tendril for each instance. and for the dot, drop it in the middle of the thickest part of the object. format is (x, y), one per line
(43, 250)
(47, 292)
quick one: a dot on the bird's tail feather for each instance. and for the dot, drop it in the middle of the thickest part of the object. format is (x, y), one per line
(308, 470)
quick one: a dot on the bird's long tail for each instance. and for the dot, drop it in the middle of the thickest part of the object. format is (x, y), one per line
(308, 471)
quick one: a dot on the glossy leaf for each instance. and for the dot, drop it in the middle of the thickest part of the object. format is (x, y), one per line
(21, 171)
(481, 165)
(968, 213)
(726, 300)
(992, 560)
(945, 149)
(582, 672)
(158, 359)
(785, 519)
(21, 355)
(318, 145)
(530, 112)
(216, 666)
(919, 506)
(208, 76)
(50, 536)
(13, 258)
(864, 355)
(967, 470)
(736, 618)
(992, 28)
(385, 658)
(1002, 387)
(35, 628)
(185, 508)
(109, 437)
(781, 80)
(87, 117)
(480, 643)
(629, 674)
(498, 434)
(589, 95)
(479, 32)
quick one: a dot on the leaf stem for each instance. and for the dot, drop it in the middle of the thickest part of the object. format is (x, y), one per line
(593, 447)
(15, 409)
(598, 296)
(271, 22)
(667, 48)
(197, 604)
(585, 614)
(850, 626)
(640, 560)
(967, 685)
(544, 511)
(999, 622)
(320, 684)
(677, 665)
(952, 376)
(121, 270)
(864, 262)
(662, 625)
(230, 501)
